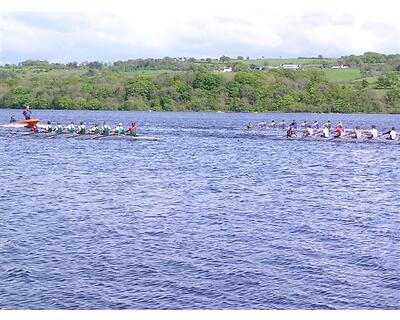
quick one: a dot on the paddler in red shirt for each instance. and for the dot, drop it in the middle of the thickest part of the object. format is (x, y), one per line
(132, 130)
(339, 132)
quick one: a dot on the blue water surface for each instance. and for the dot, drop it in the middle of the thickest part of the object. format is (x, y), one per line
(211, 216)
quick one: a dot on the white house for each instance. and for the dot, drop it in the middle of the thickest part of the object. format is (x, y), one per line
(340, 67)
(227, 69)
(290, 66)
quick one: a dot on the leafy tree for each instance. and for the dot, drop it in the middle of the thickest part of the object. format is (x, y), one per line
(95, 65)
(183, 89)
(393, 96)
(240, 66)
(207, 81)
(224, 59)
(253, 66)
(65, 102)
(140, 87)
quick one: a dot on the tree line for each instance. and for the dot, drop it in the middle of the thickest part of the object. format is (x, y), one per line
(119, 86)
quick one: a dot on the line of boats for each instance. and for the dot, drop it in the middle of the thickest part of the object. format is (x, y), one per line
(87, 136)
(80, 133)
(305, 131)
(328, 133)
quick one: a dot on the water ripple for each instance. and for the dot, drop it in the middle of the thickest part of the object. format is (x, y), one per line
(211, 217)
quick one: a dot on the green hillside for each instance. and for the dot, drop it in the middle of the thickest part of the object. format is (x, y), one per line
(371, 84)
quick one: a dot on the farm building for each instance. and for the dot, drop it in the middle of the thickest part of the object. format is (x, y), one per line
(290, 66)
(340, 67)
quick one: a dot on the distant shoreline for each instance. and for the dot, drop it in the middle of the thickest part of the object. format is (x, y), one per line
(369, 83)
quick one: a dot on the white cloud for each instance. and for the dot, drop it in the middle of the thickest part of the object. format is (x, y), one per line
(109, 30)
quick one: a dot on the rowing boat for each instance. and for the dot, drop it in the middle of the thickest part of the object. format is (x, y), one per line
(338, 140)
(76, 136)
(21, 124)
(27, 123)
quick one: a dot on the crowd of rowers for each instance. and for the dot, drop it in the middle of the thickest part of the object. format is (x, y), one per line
(315, 130)
(104, 130)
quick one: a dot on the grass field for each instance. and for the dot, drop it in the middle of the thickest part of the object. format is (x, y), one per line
(342, 75)
(149, 72)
(370, 80)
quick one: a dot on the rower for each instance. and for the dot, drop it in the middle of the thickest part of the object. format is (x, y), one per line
(325, 131)
(249, 125)
(119, 129)
(339, 132)
(70, 128)
(263, 124)
(372, 133)
(293, 124)
(12, 119)
(132, 130)
(357, 134)
(48, 128)
(272, 124)
(308, 132)
(316, 125)
(95, 129)
(304, 125)
(282, 125)
(392, 134)
(27, 112)
(81, 128)
(58, 128)
(328, 124)
(291, 133)
(105, 129)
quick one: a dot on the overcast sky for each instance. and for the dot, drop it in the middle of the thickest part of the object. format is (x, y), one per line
(110, 30)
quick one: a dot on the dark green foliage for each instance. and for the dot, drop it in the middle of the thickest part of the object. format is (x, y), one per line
(140, 87)
(206, 81)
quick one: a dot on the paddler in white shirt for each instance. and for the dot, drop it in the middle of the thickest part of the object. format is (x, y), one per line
(325, 131)
(308, 132)
(81, 128)
(357, 133)
(48, 128)
(392, 134)
(373, 132)
(70, 128)
(119, 129)
(95, 129)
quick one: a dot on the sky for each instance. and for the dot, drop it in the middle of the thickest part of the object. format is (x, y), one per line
(111, 30)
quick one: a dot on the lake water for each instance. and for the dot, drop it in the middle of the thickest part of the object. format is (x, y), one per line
(212, 216)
